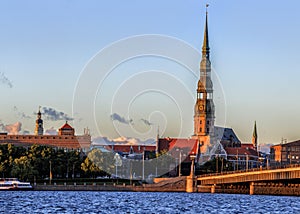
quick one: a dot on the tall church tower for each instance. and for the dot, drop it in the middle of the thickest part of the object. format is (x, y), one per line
(39, 130)
(254, 137)
(204, 115)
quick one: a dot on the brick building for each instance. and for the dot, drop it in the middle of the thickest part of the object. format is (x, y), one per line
(66, 138)
(287, 153)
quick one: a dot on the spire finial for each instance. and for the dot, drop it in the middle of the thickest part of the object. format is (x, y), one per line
(207, 5)
(205, 47)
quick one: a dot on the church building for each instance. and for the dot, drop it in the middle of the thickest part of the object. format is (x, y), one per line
(209, 140)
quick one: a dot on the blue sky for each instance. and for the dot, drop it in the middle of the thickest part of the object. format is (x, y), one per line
(254, 50)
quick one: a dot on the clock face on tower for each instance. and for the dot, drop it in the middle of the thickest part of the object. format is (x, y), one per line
(201, 107)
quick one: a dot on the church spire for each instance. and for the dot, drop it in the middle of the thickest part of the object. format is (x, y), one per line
(254, 136)
(205, 46)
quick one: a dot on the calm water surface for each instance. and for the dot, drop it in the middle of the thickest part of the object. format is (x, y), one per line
(132, 202)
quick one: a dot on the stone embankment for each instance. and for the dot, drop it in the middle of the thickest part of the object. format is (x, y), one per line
(164, 185)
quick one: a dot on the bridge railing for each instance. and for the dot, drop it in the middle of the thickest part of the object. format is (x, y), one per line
(250, 170)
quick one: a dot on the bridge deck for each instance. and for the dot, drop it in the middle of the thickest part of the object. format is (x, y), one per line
(252, 176)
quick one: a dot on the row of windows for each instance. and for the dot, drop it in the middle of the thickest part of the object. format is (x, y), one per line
(206, 122)
(35, 137)
(207, 129)
(293, 149)
(201, 96)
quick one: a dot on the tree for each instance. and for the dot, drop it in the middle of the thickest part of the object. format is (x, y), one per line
(93, 163)
(22, 168)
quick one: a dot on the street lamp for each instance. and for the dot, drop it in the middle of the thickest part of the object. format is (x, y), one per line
(143, 165)
(192, 156)
(73, 175)
(50, 173)
(118, 162)
(180, 160)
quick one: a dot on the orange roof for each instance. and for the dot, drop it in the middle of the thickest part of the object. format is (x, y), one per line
(188, 146)
(66, 126)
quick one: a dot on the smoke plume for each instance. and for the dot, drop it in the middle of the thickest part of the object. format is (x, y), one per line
(54, 115)
(147, 122)
(121, 119)
(5, 81)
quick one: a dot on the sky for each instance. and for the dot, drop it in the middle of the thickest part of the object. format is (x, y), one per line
(56, 54)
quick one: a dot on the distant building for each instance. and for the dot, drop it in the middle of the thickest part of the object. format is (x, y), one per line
(133, 151)
(227, 137)
(287, 153)
(241, 155)
(66, 138)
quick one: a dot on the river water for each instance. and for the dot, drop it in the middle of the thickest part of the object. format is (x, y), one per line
(142, 202)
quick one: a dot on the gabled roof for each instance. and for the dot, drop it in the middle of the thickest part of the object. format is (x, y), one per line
(226, 134)
(188, 145)
(240, 151)
(66, 126)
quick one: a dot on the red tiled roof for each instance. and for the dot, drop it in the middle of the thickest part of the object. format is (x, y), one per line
(240, 151)
(247, 145)
(175, 146)
(66, 126)
(188, 146)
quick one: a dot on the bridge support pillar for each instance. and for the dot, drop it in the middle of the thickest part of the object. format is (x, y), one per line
(190, 180)
(251, 188)
(190, 184)
(213, 189)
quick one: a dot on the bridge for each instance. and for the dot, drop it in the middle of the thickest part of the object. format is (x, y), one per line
(285, 180)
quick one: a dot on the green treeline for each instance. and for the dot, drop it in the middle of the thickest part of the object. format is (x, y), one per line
(41, 163)
(34, 162)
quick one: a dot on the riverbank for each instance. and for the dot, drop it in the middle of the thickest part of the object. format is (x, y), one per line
(178, 185)
(161, 185)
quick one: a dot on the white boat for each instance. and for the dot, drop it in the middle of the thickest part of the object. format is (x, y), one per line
(14, 184)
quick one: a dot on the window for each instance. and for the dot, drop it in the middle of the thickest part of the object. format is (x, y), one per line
(207, 130)
(208, 122)
(200, 129)
(200, 121)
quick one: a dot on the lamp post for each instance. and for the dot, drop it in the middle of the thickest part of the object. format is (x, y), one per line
(247, 160)
(180, 160)
(50, 172)
(192, 156)
(143, 177)
(118, 162)
(73, 175)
